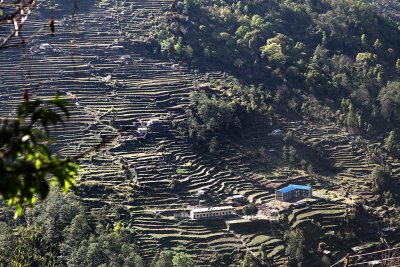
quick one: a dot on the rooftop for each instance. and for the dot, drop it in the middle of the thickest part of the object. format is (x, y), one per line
(212, 209)
(45, 46)
(292, 187)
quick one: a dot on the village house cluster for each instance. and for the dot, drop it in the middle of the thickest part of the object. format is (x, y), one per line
(289, 193)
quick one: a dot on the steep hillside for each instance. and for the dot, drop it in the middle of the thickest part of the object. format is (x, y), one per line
(389, 8)
(116, 78)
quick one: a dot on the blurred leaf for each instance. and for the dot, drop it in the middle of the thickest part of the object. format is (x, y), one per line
(26, 163)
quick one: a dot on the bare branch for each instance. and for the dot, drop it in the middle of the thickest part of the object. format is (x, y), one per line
(17, 19)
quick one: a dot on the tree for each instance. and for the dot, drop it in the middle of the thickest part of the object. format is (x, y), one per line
(377, 45)
(163, 259)
(263, 251)
(295, 245)
(273, 52)
(292, 154)
(389, 97)
(167, 46)
(210, 117)
(391, 142)
(182, 259)
(112, 247)
(285, 153)
(249, 261)
(351, 119)
(213, 145)
(366, 58)
(174, 185)
(326, 261)
(364, 41)
(26, 162)
(250, 210)
(217, 260)
(58, 233)
(54, 214)
(75, 233)
(388, 197)
(398, 65)
(380, 179)
(31, 249)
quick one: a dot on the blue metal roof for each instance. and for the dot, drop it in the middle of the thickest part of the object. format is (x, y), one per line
(292, 187)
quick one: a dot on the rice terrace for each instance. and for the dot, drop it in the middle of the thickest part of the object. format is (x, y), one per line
(199, 133)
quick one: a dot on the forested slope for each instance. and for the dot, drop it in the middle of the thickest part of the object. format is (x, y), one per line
(343, 53)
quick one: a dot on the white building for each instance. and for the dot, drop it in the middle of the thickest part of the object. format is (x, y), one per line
(107, 79)
(202, 213)
(114, 47)
(276, 132)
(153, 122)
(200, 193)
(45, 46)
(142, 130)
(237, 198)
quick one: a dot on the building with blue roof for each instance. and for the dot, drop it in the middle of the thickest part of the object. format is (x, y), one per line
(293, 191)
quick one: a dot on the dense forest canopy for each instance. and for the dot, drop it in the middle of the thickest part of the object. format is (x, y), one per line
(59, 232)
(292, 51)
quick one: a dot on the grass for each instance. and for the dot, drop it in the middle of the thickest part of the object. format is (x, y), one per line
(181, 171)
(258, 240)
(276, 251)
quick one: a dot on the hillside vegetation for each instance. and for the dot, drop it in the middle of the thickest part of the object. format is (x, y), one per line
(250, 95)
(343, 53)
(326, 64)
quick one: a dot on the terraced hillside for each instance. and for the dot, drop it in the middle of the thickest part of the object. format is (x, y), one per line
(114, 81)
(129, 172)
(390, 8)
(351, 157)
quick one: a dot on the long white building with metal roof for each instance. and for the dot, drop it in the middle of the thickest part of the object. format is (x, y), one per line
(203, 213)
